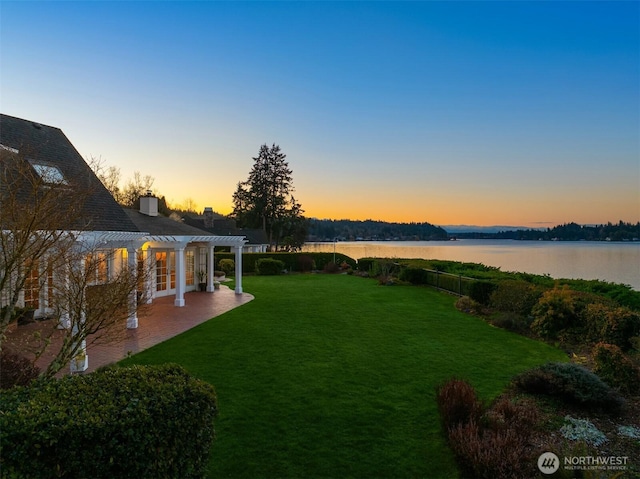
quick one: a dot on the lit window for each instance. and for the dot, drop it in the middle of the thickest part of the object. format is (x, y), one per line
(32, 286)
(97, 268)
(50, 174)
(190, 266)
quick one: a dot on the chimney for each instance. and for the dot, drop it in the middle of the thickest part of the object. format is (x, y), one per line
(208, 217)
(149, 204)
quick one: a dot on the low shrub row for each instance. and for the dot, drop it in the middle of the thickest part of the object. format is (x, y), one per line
(296, 262)
(142, 421)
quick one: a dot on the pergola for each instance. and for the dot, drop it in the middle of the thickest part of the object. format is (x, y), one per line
(138, 243)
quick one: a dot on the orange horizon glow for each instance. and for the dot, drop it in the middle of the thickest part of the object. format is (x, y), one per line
(455, 215)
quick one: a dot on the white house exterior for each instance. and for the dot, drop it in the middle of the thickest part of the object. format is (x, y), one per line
(175, 252)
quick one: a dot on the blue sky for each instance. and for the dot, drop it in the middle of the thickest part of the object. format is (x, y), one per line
(524, 113)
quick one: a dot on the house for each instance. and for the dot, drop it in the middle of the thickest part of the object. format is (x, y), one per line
(173, 251)
(219, 225)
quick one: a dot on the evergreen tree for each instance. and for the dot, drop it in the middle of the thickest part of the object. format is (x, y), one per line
(265, 200)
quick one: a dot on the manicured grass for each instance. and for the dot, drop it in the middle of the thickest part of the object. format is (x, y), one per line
(334, 376)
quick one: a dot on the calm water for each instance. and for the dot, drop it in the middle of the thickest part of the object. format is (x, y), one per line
(614, 262)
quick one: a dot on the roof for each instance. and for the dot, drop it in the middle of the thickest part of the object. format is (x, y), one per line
(227, 227)
(162, 229)
(162, 225)
(49, 145)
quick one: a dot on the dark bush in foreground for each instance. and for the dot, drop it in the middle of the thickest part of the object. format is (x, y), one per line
(16, 370)
(488, 444)
(573, 384)
(269, 266)
(486, 453)
(143, 422)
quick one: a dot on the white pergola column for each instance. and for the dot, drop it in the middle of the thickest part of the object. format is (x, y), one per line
(181, 280)
(132, 265)
(238, 269)
(149, 268)
(210, 268)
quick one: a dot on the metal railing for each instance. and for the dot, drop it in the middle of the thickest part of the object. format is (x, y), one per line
(453, 283)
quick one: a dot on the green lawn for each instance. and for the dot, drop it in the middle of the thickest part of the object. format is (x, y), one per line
(334, 376)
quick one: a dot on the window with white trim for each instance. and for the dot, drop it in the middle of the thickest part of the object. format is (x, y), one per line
(50, 174)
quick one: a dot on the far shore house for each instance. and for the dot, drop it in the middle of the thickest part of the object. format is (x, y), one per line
(177, 253)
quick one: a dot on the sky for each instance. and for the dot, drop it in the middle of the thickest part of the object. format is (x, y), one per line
(448, 112)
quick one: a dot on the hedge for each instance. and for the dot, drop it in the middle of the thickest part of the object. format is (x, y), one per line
(297, 262)
(142, 421)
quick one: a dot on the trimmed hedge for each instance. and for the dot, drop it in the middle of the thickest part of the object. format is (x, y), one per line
(298, 262)
(142, 421)
(414, 275)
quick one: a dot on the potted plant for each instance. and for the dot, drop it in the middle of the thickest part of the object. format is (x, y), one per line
(24, 315)
(202, 280)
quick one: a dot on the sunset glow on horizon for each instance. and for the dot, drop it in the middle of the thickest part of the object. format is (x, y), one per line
(478, 113)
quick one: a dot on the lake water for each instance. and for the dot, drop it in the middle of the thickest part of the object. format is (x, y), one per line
(607, 261)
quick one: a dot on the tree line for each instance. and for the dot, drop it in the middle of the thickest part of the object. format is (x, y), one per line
(620, 231)
(370, 230)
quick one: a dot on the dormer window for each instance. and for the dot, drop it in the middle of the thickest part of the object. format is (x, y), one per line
(50, 174)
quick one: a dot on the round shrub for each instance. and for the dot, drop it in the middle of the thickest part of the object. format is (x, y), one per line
(143, 421)
(468, 305)
(227, 265)
(269, 266)
(573, 384)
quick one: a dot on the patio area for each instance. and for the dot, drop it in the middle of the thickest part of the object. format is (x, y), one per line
(162, 321)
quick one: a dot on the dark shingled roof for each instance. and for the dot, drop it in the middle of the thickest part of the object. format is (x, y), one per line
(161, 225)
(226, 227)
(49, 145)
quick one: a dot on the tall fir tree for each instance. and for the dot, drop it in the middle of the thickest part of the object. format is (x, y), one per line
(265, 200)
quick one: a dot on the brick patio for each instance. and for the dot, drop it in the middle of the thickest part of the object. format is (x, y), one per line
(162, 321)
